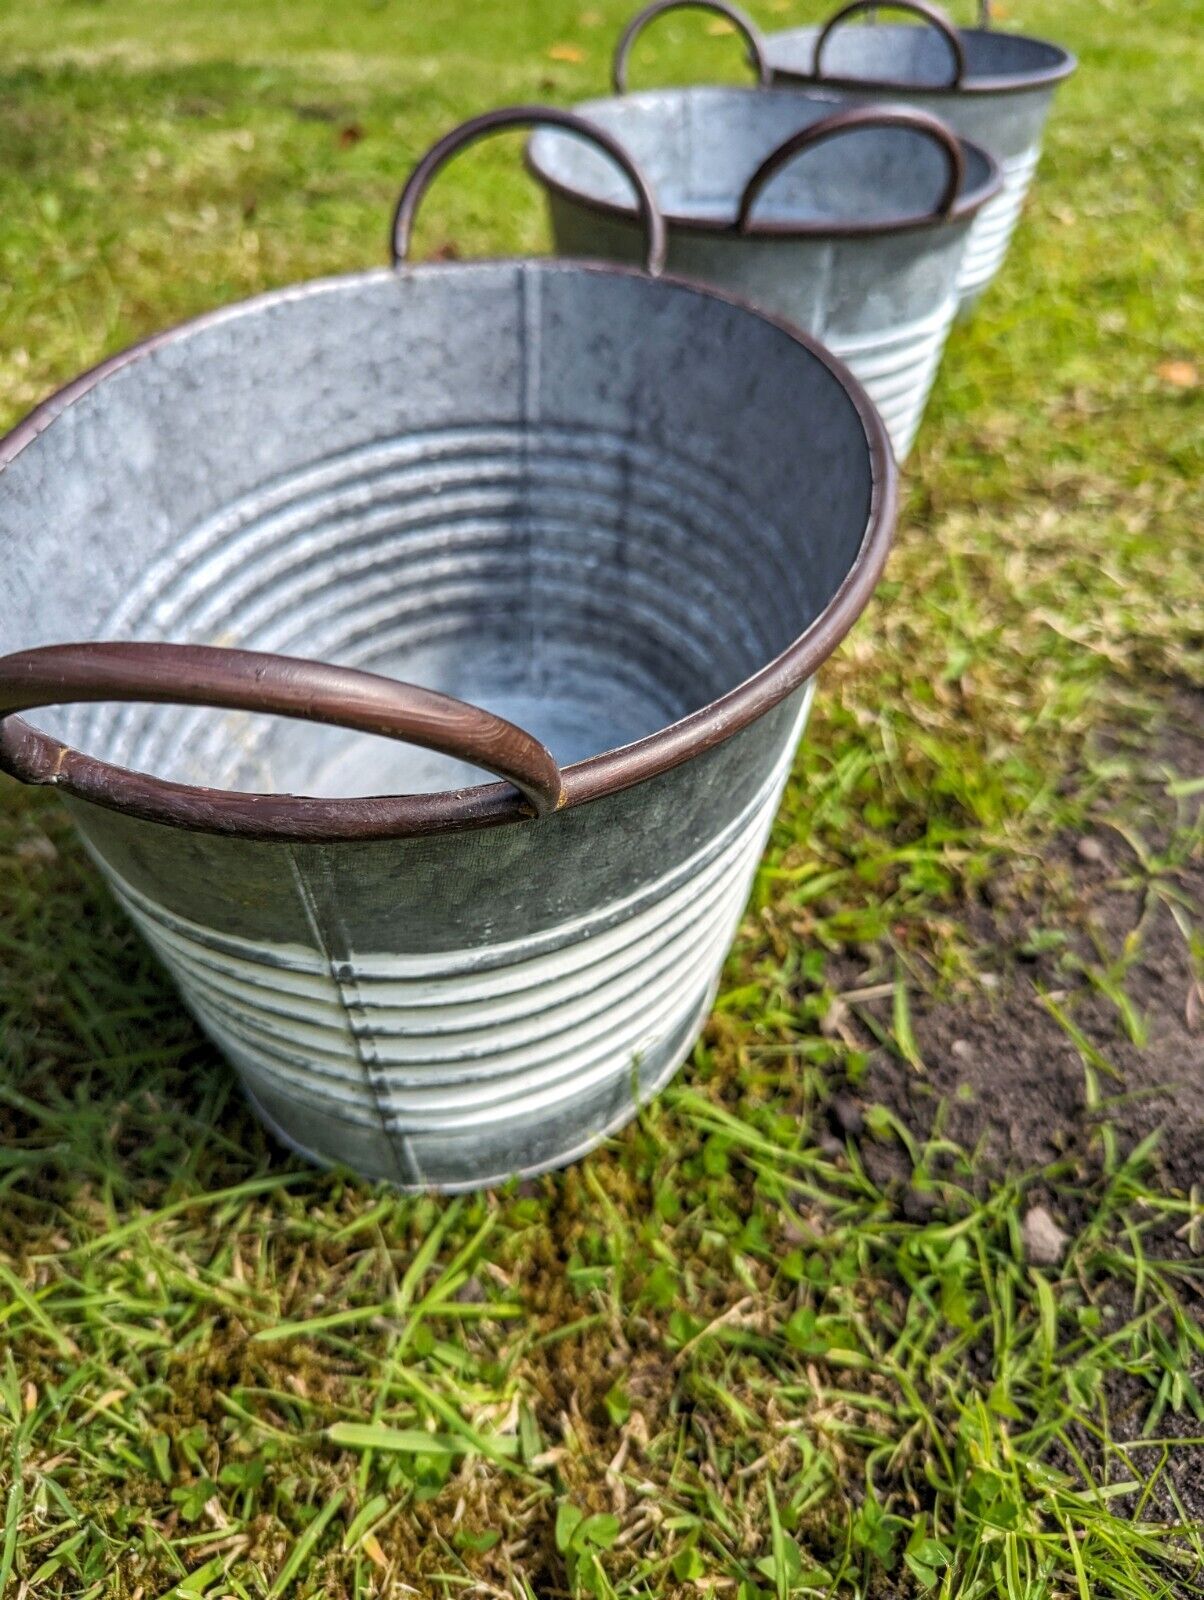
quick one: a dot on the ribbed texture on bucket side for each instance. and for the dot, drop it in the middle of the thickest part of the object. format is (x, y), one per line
(898, 369)
(404, 555)
(991, 231)
(584, 499)
(442, 1052)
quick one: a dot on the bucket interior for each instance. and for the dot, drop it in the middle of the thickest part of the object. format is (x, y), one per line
(588, 501)
(908, 53)
(699, 147)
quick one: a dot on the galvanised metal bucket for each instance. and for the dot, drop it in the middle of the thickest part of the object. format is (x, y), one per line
(628, 513)
(850, 221)
(994, 88)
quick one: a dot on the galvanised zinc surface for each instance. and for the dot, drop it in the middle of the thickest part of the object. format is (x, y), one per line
(455, 1009)
(881, 300)
(1002, 104)
(581, 497)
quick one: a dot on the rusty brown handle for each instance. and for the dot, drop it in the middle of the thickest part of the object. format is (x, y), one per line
(527, 117)
(844, 121)
(742, 23)
(249, 680)
(918, 8)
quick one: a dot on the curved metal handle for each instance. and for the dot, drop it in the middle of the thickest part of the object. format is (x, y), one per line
(742, 23)
(918, 8)
(844, 121)
(527, 117)
(249, 680)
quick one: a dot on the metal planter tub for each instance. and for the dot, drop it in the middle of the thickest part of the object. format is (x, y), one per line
(612, 522)
(849, 221)
(991, 87)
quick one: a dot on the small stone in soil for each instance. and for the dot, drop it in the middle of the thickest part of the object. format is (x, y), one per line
(831, 1147)
(1044, 1242)
(918, 1204)
(846, 1114)
(36, 849)
(961, 1050)
(792, 1229)
(1089, 849)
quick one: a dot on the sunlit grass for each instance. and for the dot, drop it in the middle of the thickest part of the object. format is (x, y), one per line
(719, 1356)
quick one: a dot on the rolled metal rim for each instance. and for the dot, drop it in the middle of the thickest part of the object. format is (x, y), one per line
(36, 757)
(968, 84)
(953, 208)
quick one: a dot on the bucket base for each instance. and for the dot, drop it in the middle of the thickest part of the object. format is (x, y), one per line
(653, 1073)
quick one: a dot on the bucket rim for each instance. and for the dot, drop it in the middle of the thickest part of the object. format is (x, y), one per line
(978, 84)
(29, 754)
(964, 208)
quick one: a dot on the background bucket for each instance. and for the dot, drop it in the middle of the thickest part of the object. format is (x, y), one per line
(629, 515)
(850, 221)
(991, 87)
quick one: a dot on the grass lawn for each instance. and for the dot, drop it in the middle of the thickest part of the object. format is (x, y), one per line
(784, 1336)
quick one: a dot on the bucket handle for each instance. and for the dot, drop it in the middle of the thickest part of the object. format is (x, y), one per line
(844, 121)
(739, 20)
(918, 8)
(250, 680)
(527, 117)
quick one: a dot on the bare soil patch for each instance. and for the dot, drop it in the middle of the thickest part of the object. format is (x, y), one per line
(1103, 939)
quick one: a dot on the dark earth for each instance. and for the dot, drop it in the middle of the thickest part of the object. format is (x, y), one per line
(1008, 1077)
(1002, 1076)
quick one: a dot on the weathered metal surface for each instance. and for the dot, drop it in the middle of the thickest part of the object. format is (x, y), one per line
(626, 514)
(1000, 99)
(857, 237)
(434, 1050)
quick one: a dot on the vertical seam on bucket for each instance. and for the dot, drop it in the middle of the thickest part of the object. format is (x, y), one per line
(530, 356)
(346, 986)
(824, 290)
(690, 145)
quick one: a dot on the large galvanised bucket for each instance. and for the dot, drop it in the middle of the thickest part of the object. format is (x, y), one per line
(991, 87)
(612, 523)
(850, 221)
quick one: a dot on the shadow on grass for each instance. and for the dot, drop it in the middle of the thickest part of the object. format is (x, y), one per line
(105, 1080)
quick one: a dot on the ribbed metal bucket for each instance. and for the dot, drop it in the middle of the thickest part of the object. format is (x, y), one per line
(991, 87)
(630, 514)
(850, 221)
